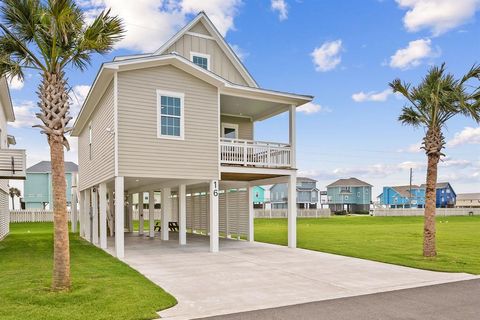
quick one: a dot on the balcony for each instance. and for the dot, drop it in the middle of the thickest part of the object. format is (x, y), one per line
(12, 164)
(237, 152)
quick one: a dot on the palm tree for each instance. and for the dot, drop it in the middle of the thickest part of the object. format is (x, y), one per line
(430, 104)
(14, 192)
(49, 36)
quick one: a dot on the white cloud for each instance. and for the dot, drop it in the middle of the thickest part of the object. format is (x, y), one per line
(78, 94)
(150, 23)
(372, 96)
(413, 148)
(457, 163)
(15, 83)
(281, 7)
(413, 54)
(241, 54)
(310, 107)
(468, 135)
(439, 16)
(25, 114)
(327, 56)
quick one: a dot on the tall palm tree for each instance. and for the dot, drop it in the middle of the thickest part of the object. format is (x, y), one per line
(48, 36)
(14, 192)
(430, 104)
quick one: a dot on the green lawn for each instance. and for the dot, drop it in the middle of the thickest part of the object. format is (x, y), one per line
(396, 240)
(103, 287)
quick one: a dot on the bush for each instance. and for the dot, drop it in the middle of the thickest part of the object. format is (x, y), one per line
(340, 213)
(362, 212)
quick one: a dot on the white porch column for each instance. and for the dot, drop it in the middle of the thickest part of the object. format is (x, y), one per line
(251, 214)
(111, 212)
(213, 216)
(94, 215)
(119, 217)
(102, 194)
(73, 203)
(81, 202)
(292, 135)
(151, 214)
(140, 213)
(88, 215)
(292, 211)
(182, 214)
(166, 210)
(130, 212)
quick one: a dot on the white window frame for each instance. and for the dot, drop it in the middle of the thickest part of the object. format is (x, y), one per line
(201, 55)
(172, 94)
(229, 126)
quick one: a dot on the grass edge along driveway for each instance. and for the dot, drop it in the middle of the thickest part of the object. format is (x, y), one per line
(395, 240)
(102, 286)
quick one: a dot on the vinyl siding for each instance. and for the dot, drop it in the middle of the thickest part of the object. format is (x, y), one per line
(4, 214)
(102, 165)
(245, 126)
(220, 64)
(200, 28)
(3, 144)
(141, 153)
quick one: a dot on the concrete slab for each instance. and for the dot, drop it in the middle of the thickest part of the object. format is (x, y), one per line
(247, 276)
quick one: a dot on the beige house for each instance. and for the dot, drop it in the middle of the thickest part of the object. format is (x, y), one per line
(180, 121)
(12, 161)
(468, 200)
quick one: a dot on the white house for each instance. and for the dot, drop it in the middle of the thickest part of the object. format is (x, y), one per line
(12, 161)
(181, 121)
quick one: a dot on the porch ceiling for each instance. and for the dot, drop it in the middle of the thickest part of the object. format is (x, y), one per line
(246, 107)
(234, 176)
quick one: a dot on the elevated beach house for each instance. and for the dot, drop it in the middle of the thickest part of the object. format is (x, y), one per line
(180, 121)
(307, 194)
(12, 161)
(350, 195)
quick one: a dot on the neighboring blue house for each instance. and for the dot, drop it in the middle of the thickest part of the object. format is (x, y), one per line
(258, 197)
(399, 196)
(37, 188)
(350, 195)
(307, 194)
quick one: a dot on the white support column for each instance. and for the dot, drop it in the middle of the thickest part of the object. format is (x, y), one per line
(292, 211)
(119, 218)
(214, 215)
(102, 194)
(292, 135)
(130, 212)
(140, 214)
(182, 214)
(251, 214)
(81, 202)
(166, 210)
(151, 213)
(94, 215)
(73, 203)
(88, 215)
(111, 209)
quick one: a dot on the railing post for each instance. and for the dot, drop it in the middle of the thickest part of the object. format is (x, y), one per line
(245, 153)
(268, 156)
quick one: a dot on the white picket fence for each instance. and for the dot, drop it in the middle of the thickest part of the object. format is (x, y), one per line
(301, 213)
(32, 215)
(441, 212)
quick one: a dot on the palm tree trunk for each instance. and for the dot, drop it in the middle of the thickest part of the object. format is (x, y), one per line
(429, 249)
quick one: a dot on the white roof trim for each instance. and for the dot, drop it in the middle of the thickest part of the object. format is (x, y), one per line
(220, 40)
(6, 100)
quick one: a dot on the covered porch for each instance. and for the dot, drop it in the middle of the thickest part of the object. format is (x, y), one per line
(213, 210)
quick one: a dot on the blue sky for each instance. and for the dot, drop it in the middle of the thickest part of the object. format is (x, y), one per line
(342, 52)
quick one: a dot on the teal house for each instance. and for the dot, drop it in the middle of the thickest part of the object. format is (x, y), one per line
(37, 188)
(258, 197)
(350, 195)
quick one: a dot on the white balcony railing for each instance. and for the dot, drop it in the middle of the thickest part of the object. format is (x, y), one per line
(254, 153)
(12, 164)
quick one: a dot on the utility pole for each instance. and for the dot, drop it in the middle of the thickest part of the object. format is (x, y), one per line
(410, 190)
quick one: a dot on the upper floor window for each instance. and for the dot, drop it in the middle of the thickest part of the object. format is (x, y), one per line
(170, 114)
(345, 189)
(200, 59)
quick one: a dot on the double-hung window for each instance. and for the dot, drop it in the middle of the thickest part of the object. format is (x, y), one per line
(170, 114)
(200, 59)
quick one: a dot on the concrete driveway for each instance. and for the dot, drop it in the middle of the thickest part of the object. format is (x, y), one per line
(247, 276)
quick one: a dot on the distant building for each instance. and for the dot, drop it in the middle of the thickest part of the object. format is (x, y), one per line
(307, 194)
(258, 197)
(402, 197)
(37, 190)
(349, 195)
(468, 200)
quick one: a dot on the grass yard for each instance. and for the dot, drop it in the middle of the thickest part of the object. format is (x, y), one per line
(396, 240)
(103, 287)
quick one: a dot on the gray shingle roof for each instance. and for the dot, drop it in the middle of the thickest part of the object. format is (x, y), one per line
(350, 182)
(404, 191)
(468, 196)
(45, 167)
(440, 185)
